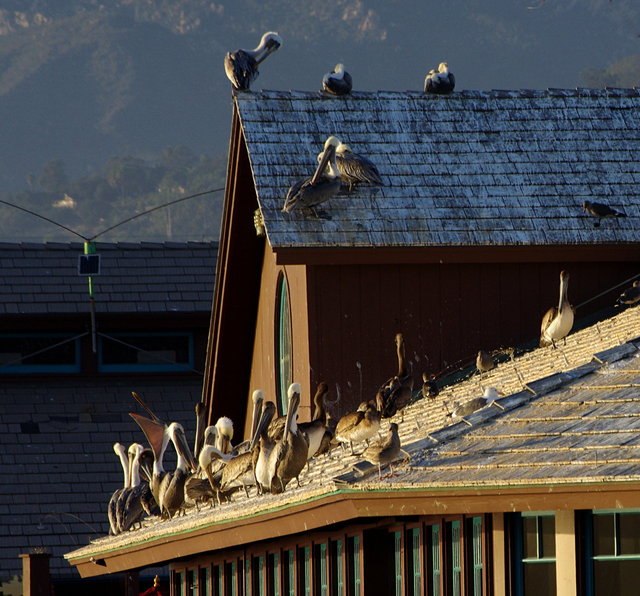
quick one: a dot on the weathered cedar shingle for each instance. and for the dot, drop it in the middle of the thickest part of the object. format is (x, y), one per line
(488, 168)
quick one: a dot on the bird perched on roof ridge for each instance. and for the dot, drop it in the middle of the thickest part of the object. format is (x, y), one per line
(557, 321)
(338, 81)
(600, 210)
(323, 185)
(358, 426)
(241, 66)
(429, 385)
(630, 296)
(440, 81)
(396, 392)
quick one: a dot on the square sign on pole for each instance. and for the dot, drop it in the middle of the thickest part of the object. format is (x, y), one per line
(89, 264)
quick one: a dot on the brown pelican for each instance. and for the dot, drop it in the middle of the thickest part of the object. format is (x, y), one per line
(317, 429)
(200, 417)
(195, 487)
(440, 81)
(429, 385)
(264, 463)
(557, 322)
(323, 185)
(386, 451)
(600, 210)
(484, 362)
(133, 509)
(630, 296)
(121, 451)
(241, 66)
(338, 81)
(355, 168)
(469, 407)
(224, 426)
(171, 492)
(292, 450)
(395, 393)
(358, 426)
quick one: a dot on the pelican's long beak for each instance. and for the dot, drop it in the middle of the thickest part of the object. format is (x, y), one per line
(156, 433)
(327, 154)
(182, 447)
(256, 415)
(265, 419)
(292, 412)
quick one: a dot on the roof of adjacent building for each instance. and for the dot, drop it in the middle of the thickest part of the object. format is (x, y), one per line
(58, 465)
(568, 423)
(475, 168)
(134, 278)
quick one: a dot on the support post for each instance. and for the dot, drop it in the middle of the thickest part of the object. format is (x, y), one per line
(566, 581)
(36, 579)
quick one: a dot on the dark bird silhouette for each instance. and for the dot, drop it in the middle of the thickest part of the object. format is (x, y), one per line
(440, 81)
(241, 66)
(557, 321)
(395, 393)
(338, 81)
(600, 210)
(630, 296)
(323, 185)
(429, 386)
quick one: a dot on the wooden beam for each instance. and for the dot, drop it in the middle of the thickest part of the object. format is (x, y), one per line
(566, 581)
(499, 564)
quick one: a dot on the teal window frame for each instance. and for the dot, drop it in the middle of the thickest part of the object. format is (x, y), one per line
(354, 569)
(455, 553)
(273, 574)
(337, 568)
(321, 569)
(434, 555)
(59, 339)
(520, 560)
(187, 366)
(284, 344)
(288, 572)
(474, 549)
(413, 561)
(231, 579)
(217, 580)
(304, 570)
(178, 583)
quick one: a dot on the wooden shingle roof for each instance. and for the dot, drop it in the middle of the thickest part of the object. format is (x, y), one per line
(135, 278)
(474, 168)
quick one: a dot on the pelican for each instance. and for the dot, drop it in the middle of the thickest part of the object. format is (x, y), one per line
(323, 185)
(121, 451)
(171, 492)
(264, 462)
(338, 81)
(484, 362)
(395, 393)
(469, 407)
(386, 451)
(196, 488)
(241, 66)
(630, 296)
(358, 426)
(440, 81)
(429, 385)
(355, 168)
(317, 428)
(133, 508)
(290, 452)
(200, 416)
(224, 426)
(557, 322)
(600, 210)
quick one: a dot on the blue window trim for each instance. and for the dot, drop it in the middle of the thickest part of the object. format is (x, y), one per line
(168, 367)
(44, 368)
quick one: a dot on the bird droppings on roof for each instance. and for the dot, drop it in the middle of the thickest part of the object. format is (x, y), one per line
(570, 416)
(474, 168)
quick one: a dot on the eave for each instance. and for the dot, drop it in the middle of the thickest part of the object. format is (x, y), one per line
(185, 538)
(359, 255)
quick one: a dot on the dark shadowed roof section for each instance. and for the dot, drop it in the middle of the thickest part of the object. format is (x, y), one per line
(134, 277)
(474, 168)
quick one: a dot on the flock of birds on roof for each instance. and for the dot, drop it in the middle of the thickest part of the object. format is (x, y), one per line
(338, 165)
(280, 447)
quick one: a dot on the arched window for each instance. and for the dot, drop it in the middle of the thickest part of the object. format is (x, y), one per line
(284, 366)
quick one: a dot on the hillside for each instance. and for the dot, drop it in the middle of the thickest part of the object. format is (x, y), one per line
(82, 81)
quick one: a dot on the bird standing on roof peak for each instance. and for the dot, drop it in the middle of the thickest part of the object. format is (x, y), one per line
(557, 322)
(440, 81)
(600, 210)
(241, 66)
(338, 81)
(323, 185)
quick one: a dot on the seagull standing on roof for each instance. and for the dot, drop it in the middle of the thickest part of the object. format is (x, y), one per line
(440, 81)
(241, 66)
(338, 81)
(600, 210)
(323, 185)
(469, 407)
